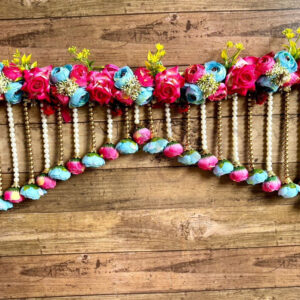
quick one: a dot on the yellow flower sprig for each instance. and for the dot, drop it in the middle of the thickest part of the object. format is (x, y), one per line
(292, 42)
(21, 61)
(153, 63)
(82, 56)
(229, 61)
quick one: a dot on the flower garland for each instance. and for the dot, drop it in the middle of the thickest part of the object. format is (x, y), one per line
(63, 90)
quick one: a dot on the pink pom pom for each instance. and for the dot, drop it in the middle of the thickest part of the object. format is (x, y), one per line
(272, 184)
(142, 135)
(173, 149)
(45, 182)
(13, 195)
(75, 166)
(109, 152)
(239, 174)
(207, 162)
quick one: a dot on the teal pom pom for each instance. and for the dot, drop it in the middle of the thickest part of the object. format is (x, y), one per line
(5, 205)
(93, 160)
(156, 145)
(59, 173)
(127, 146)
(223, 167)
(32, 191)
(257, 176)
(289, 190)
(189, 157)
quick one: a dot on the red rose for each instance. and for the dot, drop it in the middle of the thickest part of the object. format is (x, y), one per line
(220, 94)
(111, 69)
(193, 73)
(144, 77)
(62, 99)
(167, 85)
(12, 72)
(79, 74)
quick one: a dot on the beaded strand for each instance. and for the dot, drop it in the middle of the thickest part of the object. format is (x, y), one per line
(92, 127)
(269, 135)
(76, 133)
(46, 147)
(235, 145)
(203, 129)
(109, 125)
(168, 122)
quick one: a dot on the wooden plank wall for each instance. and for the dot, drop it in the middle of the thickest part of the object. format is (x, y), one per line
(145, 227)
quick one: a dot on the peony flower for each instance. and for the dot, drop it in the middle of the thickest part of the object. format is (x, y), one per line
(93, 160)
(45, 182)
(173, 149)
(79, 74)
(145, 96)
(257, 176)
(59, 173)
(142, 135)
(289, 190)
(239, 174)
(193, 73)
(32, 192)
(223, 167)
(216, 69)
(144, 77)
(193, 94)
(156, 145)
(60, 74)
(168, 84)
(127, 146)
(265, 63)
(108, 152)
(37, 83)
(79, 98)
(220, 94)
(286, 60)
(12, 72)
(13, 195)
(75, 166)
(122, 77)
(207, 162)
(13, 94)
(272, 184)
(5, 205)
(190, 157)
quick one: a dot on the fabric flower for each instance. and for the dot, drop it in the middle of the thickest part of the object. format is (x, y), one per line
(37, 83)
(223, 167)
(60, 73)
(12, 72)
(144, 77)
(173, 149)
(207, 162)
(122, 97)
(13, 195)
(145, 96)
(216, 69)
(79, 98)
(142, 135)
(257, 176)
(289, 190)
(220, 94)
(75, 166)
(167, 85)
(122, 77)
(93, 160)
(239, 174)
(79, 74)
(45, 182)
(286, 60)
(13, 94)
(108, 152)
(265, 63)
(272, 184)
(32, 191)
(193, 94)
(5, 205)
(193, 73)
(156, 145)
(127, 146)
(190, 157)
(59, 173)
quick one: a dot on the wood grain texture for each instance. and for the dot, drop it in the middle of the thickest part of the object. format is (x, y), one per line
(144, 272)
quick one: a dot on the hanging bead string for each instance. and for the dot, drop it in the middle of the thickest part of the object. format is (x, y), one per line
(168, 122)
(235, 132)
(250, 131)
(76, 133)
(45, 140)
(188, 129)
(1, 179)
(286, 94)
(203, 129)
(109, 125)
(13, 144)
(136, 115)
(28, 142)
(127, 133)
(60, 160)
(150, 117)
(92, 127)
(269, 135)
(219, 131)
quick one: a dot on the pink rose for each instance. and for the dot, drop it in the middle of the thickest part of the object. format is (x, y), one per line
(100, 86)
(265, 63)
(173, 149)
(295, 79)
(111, 69)
(193, 73)
(37, 84)
(121, 96)
(167, 85)
(220, 94)
(144, 77)
(79, 74)
(12, 72)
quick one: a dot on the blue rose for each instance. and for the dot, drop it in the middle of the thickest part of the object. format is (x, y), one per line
(79, 98)
(217, 69)
(286, 60)
(122, 77)
(257, 176)
(193, 94)
(32, 191)
(93, 160)
(59, 173)
(60, 74)
(13, 95)
(145, 95)
(289, 190)
(156, 145)
(223, 167)
(1, 66)
(189, 158)
(267, 84)
(127, 146)
(5, 205)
